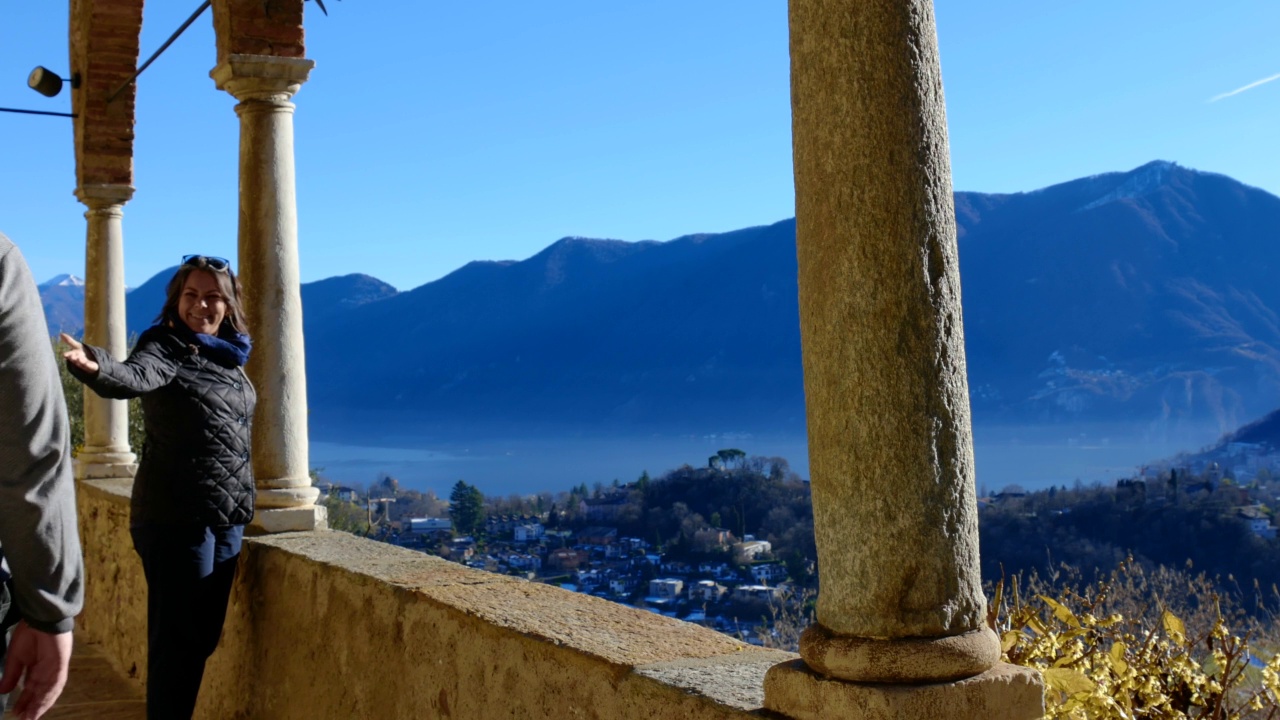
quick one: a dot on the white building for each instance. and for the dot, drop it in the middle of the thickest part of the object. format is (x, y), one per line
(756, 592)
(768, 572)
(521, 561)
(429, 525)
(531, 532)
(666, 588)
(706, 591)
(1259, 522)
(750, 550)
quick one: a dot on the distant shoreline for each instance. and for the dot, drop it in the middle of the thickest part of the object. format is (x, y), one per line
(1035, 457)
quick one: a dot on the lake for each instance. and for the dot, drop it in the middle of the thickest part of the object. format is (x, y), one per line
(1034, 457)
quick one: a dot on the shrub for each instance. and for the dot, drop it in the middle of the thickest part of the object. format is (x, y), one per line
(1137, 644)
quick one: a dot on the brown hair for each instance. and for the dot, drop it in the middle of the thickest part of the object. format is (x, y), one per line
(227, 285)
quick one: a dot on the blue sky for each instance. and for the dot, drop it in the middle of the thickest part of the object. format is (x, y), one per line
(432, 134)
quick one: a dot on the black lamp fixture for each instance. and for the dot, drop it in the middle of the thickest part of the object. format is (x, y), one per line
(48, 83)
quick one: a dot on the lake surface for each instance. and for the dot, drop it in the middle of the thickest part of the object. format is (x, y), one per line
(1034, 457)
(503, 467)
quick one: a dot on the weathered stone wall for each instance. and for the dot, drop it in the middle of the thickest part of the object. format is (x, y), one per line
(327, 625)
(115, 602)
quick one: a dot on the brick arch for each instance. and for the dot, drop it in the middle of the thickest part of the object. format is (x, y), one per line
(258, 27)
(104, 53)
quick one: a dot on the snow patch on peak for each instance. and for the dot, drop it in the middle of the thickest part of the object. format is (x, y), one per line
(64, 280)
(1139, 182)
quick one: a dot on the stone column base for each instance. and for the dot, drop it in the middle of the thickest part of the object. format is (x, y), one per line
(93, 470)
(1005, 692)
(312, 517)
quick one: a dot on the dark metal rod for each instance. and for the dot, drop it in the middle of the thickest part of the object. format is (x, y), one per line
(203, 6)
(37, 112)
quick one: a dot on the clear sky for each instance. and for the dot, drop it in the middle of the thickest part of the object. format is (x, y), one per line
(435, 133)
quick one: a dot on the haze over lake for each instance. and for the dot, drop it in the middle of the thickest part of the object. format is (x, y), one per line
(1030, 456)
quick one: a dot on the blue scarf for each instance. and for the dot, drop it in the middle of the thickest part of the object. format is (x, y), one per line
(228, 348)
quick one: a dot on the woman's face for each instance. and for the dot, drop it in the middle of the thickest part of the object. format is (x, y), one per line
(202, 305)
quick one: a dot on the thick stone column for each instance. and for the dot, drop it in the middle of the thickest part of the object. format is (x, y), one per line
(890, 445)
(268, 248)
(106, 451)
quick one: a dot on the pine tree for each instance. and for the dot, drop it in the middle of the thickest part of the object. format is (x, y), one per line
(466, 508)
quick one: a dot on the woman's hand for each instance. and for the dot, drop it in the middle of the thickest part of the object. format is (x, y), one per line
(77, 356)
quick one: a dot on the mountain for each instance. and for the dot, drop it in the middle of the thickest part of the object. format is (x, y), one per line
(1264, 431)
(696, 331)
(63, 280)
(320, 299)
(63, 301)
(1143, 296)
(142, 304)
(1148, 295)
(323, 299)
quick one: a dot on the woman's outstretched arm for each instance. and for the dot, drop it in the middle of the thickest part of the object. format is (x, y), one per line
(150, 366)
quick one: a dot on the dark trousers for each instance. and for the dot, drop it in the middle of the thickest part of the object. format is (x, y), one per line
(189, 572)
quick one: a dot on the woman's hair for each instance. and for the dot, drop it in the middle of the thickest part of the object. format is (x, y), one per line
(227, 285)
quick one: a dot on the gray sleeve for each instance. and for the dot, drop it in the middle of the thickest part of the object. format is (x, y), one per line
(38, 532)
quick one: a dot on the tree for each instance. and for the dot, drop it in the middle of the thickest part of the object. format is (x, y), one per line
(387, 486)
(466, 508)
(727, 456)
(346, 516)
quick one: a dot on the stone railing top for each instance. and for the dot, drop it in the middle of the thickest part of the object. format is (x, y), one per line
(617, 633)
(439, 622)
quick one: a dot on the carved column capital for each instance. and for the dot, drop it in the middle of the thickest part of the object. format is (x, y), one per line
(104, 198)
(262, 78)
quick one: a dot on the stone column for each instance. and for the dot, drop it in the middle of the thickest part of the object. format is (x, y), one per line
(901, 618)
(106, 451)
(268, 249)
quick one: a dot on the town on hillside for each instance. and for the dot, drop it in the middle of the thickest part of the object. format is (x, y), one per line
(1212, 513)
(628, 543)
(730, 545)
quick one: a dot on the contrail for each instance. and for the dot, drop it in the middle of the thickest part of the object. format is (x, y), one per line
(1250, 86)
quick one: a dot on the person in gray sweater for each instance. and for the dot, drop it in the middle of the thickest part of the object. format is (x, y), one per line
(44, 578)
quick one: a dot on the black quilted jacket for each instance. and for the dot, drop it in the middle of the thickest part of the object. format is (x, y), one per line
(195, 461)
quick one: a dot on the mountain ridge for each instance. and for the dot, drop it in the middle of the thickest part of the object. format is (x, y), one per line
(1143, 295)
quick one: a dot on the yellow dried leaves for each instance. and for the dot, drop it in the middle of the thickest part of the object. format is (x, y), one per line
(1113, 667)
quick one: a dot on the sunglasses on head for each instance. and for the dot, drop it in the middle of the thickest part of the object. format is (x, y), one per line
(210, 261)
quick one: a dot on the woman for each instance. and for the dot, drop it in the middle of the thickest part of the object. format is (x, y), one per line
(193, 492)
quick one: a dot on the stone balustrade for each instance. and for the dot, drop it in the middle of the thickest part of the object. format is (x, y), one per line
(328, 625)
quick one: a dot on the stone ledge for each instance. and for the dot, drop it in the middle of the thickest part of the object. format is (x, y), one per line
(314, 615)
(105, 471)
(465, 643)
(118, 489)
(735, 681)
(607, 630)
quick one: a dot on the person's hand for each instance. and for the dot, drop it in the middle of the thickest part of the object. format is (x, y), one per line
(77, 356)
(43, 659)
